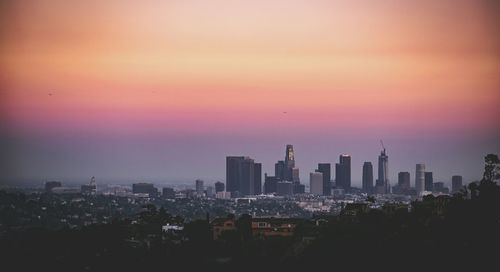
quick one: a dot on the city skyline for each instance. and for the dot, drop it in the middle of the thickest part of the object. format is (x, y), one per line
(244, 171)
(356, 179)
(254, 135)
(145, 90)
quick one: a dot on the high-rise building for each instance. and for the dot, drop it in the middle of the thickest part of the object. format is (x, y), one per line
(289, 162)
(428, 181)
(420, 179)
(233, 173)
(270, 184)
(210, 192)
(286, 171)
(219, 187)
(168, 193)
(343, 172)
(404, 182)
(247, 180)
(144, 188)
(284, 188)
(295, 175)
(279, 170)
(367, 177)
(298, 188)
(456, 184)
(199, 187)
(316, 183)
(325, 169)
(257, 179)
(383, 185)
(289, 156)
(240, 175)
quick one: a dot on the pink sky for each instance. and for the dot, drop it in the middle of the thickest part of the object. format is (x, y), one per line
(232, 68)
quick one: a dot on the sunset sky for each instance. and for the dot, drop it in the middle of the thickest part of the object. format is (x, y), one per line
(164, 90)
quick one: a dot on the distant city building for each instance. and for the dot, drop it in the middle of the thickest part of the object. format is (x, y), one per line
(298, 188)
(219, 187)
(240, 176)
(420, 179)
(168, 193)
(66, 190)
(270, 184)
(428, 181)
(456, 184)
(144, 188)
(404, 182)
(279, 170)
(49, 185)
(316, 183)
(223, 195)
(343, 172)
(210, 193)
(199, 187)
(284, 188)
(438, 187)
(382, 184)
(285, 171)
(247, 178)
(295, 175)
(233, 173)
(338, 192)
(326, 170)
(367, 177)
(89, 189)
(257, 179)
(289, 162)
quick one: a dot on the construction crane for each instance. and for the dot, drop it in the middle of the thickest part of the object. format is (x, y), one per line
(382, 143)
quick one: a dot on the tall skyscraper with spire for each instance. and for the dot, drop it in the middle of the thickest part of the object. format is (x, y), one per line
(289, 162)
(383, 185)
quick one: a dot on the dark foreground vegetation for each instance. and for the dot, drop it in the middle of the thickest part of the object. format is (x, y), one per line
(446, 232)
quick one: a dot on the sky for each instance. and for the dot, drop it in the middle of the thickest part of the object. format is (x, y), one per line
(162, 91)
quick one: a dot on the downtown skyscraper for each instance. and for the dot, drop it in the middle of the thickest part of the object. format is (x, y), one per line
(243, 176)
(343, 172)
(404, 182)
(420, 178)
(428, 181)
(367, 177)
(383, 186)
(456, 184)
(289, 163)
(325, 169)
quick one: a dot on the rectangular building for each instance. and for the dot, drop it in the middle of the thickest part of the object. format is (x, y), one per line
(325, 169)
(242, 176)
(456, 184)
(316, 183)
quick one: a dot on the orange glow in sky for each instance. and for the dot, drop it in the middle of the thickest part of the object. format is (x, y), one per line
(204, 66)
